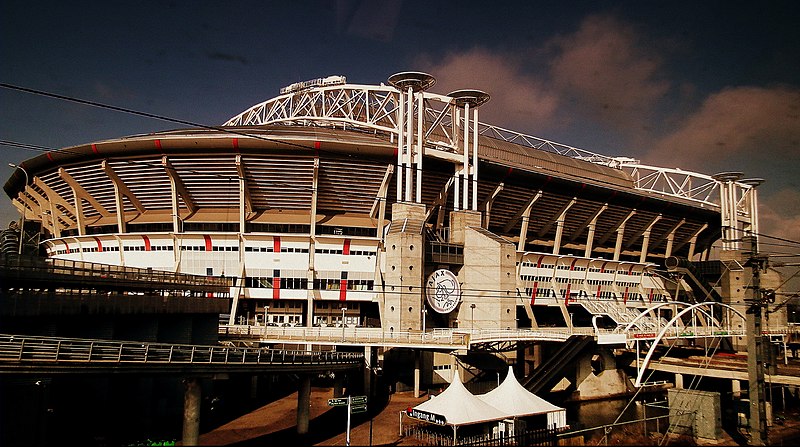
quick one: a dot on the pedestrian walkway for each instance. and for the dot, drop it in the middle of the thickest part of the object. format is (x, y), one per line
(275, 424)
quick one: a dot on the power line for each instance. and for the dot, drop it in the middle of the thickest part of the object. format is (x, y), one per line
(224, 129)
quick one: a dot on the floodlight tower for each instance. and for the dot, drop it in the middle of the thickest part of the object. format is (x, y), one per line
(410, 148)
(469, 99)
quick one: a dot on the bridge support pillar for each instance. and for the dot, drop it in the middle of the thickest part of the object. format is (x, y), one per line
(679, 381)
(368, 371)
(303, 404)
(191, 411)
(253, 387)
(338, 385)
(416, 373)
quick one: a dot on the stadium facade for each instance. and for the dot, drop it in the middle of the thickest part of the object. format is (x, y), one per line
(386, 206)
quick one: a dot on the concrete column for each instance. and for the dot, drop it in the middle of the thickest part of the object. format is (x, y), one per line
(338, 385)
(416, 373)
(679, 381)
(191, 411)
(303, 404)
(370, 364)
(253, 387)
(736, 387)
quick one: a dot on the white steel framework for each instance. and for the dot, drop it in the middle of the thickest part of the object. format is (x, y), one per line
(380, 109)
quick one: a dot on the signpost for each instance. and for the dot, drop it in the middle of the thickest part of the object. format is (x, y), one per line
(355, 404)
(426, 416)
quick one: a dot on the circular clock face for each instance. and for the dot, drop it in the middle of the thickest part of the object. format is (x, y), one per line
(443, 291)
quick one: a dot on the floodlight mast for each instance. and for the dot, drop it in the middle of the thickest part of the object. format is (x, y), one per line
(411, 83)
(22, 220)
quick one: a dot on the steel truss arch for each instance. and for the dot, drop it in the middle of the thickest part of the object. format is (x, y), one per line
(676, 318)
(375, 108)
(643, 314)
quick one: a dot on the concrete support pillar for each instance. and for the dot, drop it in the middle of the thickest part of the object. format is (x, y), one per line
(368, 374)
(416, 373)
(405, 249)
(303, 404)
(736, 387)
(191, 411)
(338, 385)
(679, 381)
(253, 387)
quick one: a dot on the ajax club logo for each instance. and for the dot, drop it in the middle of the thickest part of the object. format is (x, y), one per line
(443, 291)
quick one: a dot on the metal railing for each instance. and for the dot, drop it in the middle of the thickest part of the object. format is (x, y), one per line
(347, 335)
(31, 349)
(15, 265)
(453, 337)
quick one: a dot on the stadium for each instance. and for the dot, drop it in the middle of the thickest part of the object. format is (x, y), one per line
(389, 206)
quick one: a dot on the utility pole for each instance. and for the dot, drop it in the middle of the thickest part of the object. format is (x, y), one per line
(755, 352)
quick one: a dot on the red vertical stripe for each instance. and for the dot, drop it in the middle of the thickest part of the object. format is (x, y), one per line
(346, 247)
(569, 281)
(146, 243)
(276, 287)
(235, 142)
(158, 144)
(600, 281)
(536, 283)
(94, 148)
(625, 296)
(276, 244)
(99, 244)
(67, 245)
(651, 295)
(343, 287)
(207, 238)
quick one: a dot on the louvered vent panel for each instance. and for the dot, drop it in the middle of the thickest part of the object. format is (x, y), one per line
(94, 180)
(213, 182)
(279, 182)
(348, 187)
(148, 181)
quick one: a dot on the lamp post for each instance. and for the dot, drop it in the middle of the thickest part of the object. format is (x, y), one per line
(22, 222)
(472, 306)
(344, 309)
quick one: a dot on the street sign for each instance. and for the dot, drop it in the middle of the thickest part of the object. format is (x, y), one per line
(433, 418)
(338, 402)
(356, 400)
(358, 409)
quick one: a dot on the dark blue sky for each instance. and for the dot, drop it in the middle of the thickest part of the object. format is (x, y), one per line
(706, 86)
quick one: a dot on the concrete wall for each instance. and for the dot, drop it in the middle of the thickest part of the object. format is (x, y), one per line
(402, 306)
(695, 413)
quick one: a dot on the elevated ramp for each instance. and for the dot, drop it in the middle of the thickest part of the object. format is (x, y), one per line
(549, 373)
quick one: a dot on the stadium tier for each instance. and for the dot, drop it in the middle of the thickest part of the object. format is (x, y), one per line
(386, 206)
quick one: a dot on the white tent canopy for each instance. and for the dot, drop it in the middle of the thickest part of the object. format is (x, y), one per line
(460, 407)
(514, 400)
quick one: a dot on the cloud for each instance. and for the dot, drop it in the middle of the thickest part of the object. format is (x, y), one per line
(754, 122)
(610, 76)
(779, 215)
(518, 100)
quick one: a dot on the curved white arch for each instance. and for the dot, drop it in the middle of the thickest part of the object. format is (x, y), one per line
(660, 335)
(657, 306)
(375, 107)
